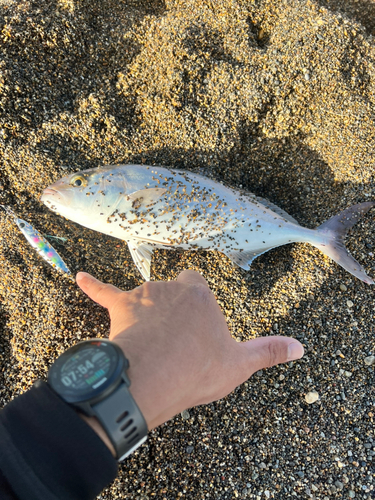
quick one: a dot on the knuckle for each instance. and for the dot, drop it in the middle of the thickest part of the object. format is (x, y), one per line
(202, 295)
(147, 287)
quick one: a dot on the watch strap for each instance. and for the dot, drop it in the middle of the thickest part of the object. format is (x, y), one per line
(123, 421)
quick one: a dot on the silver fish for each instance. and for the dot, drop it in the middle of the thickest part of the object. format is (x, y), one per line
(154, 207)
(36, 240)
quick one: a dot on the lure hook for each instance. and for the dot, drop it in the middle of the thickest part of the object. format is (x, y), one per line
(8, 211)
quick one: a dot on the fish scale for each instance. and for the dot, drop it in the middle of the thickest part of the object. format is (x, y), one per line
(155, 207)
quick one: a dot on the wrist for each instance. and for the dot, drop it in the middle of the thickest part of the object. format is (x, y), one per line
(147, 388)
(92, 377)
(95, 425)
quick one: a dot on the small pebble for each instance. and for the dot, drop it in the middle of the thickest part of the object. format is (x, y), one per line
(311, 397)
(370, 360)
(343, 288)
(349, 303)
(185, 415)
(339, 485)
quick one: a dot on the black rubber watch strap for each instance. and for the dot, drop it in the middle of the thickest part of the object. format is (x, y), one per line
(122, 420)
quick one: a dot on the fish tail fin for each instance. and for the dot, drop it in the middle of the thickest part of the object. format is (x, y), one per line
(336, 228)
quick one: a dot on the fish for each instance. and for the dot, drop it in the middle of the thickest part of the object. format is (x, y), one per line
(41, 245)
(156, 207)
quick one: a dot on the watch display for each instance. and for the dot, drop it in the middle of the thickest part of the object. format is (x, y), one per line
(86, 370)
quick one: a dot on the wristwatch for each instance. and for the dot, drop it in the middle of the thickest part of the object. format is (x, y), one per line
(91, 376)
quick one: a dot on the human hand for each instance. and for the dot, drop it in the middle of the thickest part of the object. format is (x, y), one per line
(180, 351)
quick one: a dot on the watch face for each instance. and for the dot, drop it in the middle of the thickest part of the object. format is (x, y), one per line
(86, 370)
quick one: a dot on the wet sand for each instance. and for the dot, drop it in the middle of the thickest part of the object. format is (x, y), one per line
(276, 97)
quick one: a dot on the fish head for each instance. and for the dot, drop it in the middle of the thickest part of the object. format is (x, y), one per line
(87, 197)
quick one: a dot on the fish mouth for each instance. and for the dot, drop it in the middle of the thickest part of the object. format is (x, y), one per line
(48, 192)
(51, 197)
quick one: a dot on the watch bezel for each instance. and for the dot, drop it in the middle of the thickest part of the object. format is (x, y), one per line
(92, 396)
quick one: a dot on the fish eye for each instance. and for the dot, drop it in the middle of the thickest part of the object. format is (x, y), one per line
(22, 224)
(78, 181)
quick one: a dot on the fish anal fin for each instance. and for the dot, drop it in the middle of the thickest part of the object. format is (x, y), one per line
(146, 197)
(141, 254)
(245, 258)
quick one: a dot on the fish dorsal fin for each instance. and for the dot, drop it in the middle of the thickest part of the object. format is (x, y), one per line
(141, 255)
(146, 197)
(245, 258)
(274, 208)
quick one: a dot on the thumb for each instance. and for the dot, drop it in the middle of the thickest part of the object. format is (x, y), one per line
(269, 351)
(101, 293)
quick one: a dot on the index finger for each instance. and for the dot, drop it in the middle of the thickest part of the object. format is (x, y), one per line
(99, 292)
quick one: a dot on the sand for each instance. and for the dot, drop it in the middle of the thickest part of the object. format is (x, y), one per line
(277, 97)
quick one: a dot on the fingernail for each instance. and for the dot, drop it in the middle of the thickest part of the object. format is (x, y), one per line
(83, 278)
(295, 351)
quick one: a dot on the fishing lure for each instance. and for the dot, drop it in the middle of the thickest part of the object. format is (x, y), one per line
(36, 240)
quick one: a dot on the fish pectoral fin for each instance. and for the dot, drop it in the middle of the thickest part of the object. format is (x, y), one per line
(245, 258)
(141, 255)
(146, 197)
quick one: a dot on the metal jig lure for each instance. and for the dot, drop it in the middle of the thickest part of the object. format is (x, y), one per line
(36, 240)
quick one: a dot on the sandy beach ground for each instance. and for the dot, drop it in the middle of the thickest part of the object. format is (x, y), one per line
(277, 97)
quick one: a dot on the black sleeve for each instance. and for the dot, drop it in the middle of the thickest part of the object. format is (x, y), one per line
(48, 452)
(6, 492)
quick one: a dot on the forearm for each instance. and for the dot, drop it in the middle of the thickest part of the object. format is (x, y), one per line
(47, 451)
